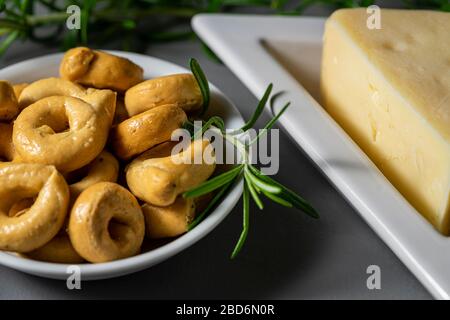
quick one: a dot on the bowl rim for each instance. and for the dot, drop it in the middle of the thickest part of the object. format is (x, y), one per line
(143, 260)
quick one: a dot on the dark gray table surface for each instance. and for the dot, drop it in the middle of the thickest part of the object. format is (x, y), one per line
(287, 255)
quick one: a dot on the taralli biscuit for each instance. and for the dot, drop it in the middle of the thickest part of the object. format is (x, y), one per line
(173, 220)
(105, 168)
(6, 144)
(59, 87)
(49, 87)
(181, 90)
(99, 69)
(58, 250)
(64, 131)
(25, 229)
(170, 221)
(18, 88)
(143, 131)
(106, 223)
(9, 107)
(159, 181)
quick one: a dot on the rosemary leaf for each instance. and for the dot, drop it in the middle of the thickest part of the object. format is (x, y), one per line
(257, 113)
(202, 83)
(270, 124)
(253, 193)
(278, 200)
(217, 197)
(260, 183)
(297, 201)
(215, 120)
(245, 223)
(213, 184)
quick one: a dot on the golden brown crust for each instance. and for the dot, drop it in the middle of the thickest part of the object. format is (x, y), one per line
(143, 131)
(181, 90)
(159, 181)
(103, 101)
(57, 250)
(170, 221)
(41, 222)
(63, 131)
(106, 223)
(99, 69)
(49, 87)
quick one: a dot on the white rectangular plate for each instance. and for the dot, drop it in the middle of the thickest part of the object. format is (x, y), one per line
(287, 52)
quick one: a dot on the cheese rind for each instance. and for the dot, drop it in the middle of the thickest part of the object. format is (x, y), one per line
(390, 91)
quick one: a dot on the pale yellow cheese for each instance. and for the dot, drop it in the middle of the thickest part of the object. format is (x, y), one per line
(389, 89)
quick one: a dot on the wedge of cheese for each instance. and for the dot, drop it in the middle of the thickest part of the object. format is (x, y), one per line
(389, 89)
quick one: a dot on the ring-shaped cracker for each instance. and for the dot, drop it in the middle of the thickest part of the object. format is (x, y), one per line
(106, 223)
(62, 131)
(99, 69)
(30, 228)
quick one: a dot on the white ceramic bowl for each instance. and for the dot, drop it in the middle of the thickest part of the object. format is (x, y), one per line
(47, 66)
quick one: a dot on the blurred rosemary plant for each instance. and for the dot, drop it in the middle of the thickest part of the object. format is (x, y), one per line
(132, 24)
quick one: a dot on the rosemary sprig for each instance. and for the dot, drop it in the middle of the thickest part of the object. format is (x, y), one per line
(202, 83)
(256, 184)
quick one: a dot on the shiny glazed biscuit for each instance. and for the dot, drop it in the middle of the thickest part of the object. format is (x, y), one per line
(180, 90)
(59, 87)
(49, 87)
(60, 249)
(33, 204)
(99, 69)
(143, 131)
(170, 221)
(159, 181)
(63, 131)
(106, 223)
(57, 250)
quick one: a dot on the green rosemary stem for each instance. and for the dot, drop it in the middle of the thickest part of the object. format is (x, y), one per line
(10, 24)
(54, 17)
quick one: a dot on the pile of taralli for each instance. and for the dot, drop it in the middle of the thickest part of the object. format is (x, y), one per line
(86, 170)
